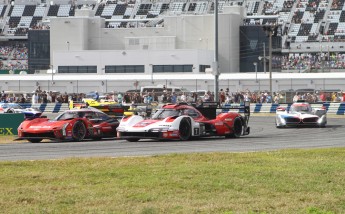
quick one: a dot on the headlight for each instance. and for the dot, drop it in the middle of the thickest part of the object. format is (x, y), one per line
(321, 119)
(163, 129)
(282, 120)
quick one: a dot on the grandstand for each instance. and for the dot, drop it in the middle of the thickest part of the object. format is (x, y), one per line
(163, 36)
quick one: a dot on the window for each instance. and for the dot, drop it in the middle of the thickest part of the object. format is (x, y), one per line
(77, 69)
(172, 68)
(202, 68)
(124, 69)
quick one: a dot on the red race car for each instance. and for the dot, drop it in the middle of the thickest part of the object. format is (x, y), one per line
(72, 125)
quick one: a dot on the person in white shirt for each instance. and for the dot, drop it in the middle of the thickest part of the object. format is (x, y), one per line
(34, 98)
(183, 97)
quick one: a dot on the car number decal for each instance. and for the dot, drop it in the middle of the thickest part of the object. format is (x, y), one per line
(196, 131)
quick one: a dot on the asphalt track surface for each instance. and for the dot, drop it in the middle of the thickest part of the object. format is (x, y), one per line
(264, 136)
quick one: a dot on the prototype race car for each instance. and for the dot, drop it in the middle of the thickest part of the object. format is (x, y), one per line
(109, 107)
(300, 114)
(72, 125)
(184, 122)
(16, 108)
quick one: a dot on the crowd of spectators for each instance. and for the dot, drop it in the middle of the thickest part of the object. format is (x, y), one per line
(225, 97)
(14, 57)
(313, 61)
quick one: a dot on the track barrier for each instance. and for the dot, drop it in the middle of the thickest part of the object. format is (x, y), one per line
(332, 108)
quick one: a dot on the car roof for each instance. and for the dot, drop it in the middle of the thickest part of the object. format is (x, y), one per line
(301, 104)
(89, 109)
(177, 106)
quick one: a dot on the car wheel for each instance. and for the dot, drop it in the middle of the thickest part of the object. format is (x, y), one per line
(237, 128)
(34, 140)
(78, 131)
(185, 129)
(10, 111)
(133, 139)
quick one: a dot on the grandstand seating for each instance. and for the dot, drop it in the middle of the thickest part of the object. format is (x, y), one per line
(302, 21)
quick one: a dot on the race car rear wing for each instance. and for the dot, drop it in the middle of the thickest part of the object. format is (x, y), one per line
(211, 109)
(114, 110)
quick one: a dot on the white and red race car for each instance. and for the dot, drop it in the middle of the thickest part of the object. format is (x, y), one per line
(184, 122)
(300, 114)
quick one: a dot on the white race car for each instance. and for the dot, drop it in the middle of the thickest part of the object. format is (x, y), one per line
(300, 114)
(183, 122)
(16, 108)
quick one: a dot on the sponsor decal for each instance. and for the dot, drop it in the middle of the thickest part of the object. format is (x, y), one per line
(6, 131)
(40, 127)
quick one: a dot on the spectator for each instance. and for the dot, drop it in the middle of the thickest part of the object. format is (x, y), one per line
(34, 98)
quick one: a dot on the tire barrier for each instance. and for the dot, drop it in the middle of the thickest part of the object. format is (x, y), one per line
(331, 108)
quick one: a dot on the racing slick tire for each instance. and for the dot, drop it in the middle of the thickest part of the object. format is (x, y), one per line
(34, 140)
(10, 111)
(78, 131)
(237, 129)
(322, 126)
(185, 129)
(279, 127)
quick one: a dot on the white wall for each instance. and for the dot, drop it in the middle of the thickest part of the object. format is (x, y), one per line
(132, 57)
(189, 32)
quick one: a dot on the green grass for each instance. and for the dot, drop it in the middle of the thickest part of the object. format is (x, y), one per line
(7, 139)
(289, 181)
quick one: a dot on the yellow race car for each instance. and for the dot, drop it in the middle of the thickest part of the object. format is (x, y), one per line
(109, 107)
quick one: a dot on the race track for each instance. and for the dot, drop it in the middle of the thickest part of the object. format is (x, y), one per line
(264, 136)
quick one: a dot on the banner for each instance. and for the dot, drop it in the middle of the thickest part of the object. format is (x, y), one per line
(9, 123)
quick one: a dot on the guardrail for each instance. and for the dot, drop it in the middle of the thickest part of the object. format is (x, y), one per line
(332, 108)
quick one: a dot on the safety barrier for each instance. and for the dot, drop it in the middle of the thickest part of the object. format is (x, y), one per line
(332, 108)
(48, 107)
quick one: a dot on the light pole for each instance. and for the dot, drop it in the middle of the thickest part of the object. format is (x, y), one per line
(256, 71)
(264, 47)
(270, 59)
(152, 82)
(215, 65)
(52, 71)
(269, 31)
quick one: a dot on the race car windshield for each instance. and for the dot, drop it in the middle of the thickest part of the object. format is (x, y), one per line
(300, 108)
(164, 113)
(15, 106)
(70, 115)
